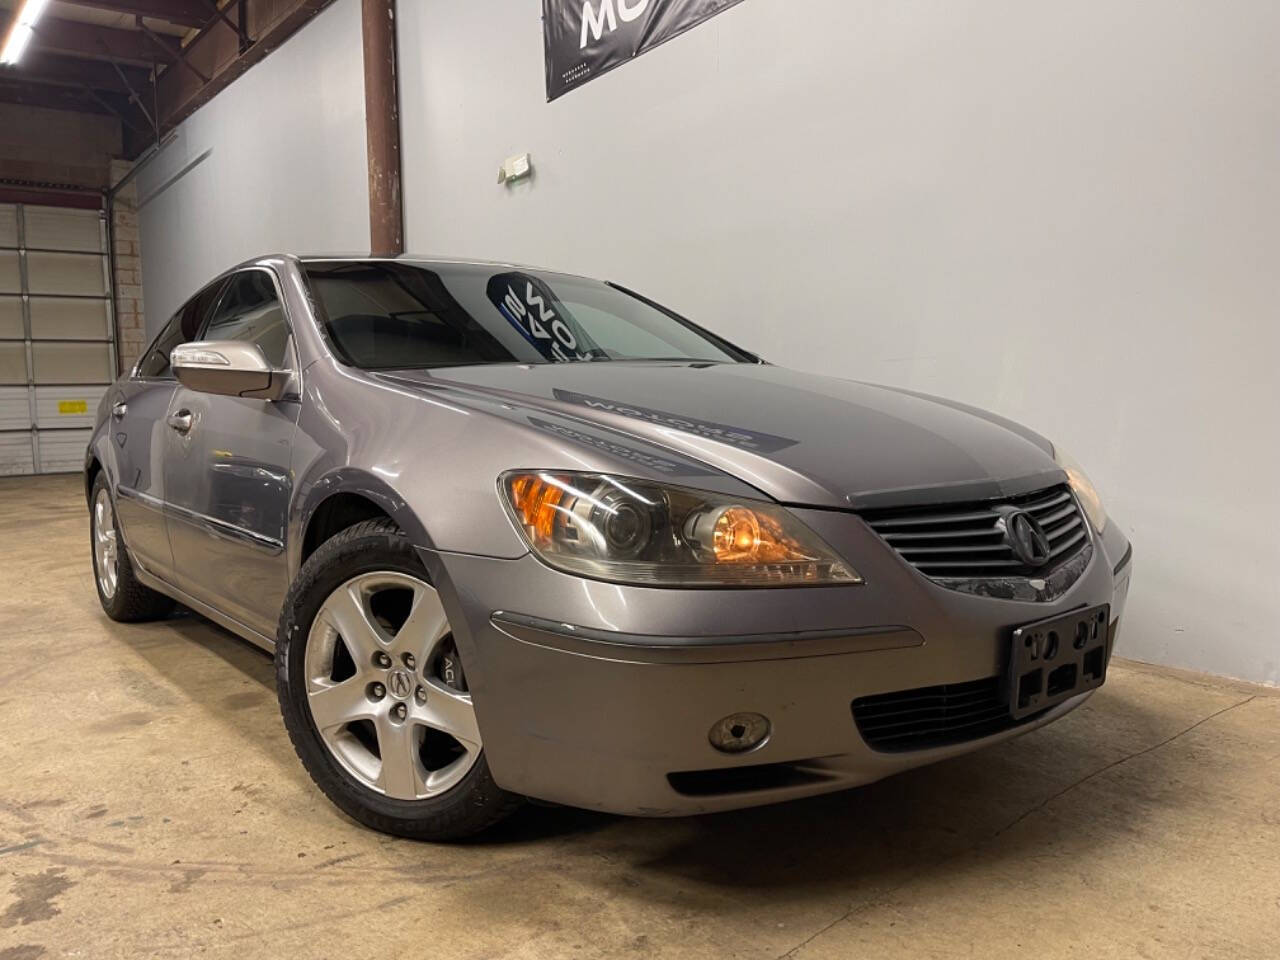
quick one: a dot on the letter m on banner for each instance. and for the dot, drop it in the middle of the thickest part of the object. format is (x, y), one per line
(585, 38)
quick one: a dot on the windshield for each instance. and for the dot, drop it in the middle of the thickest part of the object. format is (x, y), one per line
(396, 315)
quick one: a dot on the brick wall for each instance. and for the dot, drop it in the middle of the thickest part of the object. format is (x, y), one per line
(131, 333)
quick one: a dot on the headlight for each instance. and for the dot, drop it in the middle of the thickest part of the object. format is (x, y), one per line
(1083, 488)
(637, 531)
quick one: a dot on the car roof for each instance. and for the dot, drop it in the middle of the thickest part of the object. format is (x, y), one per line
(266, 259)
(425, 261)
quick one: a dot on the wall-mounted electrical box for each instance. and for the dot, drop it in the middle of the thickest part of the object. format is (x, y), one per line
(515, 168)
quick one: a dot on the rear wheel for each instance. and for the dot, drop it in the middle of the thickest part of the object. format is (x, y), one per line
(121, 594)
(373, 692)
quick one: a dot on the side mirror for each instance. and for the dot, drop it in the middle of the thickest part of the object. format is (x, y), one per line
(231, 368)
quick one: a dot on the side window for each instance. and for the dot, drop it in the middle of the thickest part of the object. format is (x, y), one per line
(156, 362)
(181, 328)
(251, 311)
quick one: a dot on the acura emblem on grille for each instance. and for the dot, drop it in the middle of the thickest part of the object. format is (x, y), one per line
(1001, 547)
(1027, 538)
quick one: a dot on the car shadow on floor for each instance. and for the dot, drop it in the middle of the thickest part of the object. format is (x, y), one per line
(231, 679)
(250, 661)
(866, 836)
(994, 802)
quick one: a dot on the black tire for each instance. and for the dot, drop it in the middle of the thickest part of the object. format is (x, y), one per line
(132, 602)
(471, 805)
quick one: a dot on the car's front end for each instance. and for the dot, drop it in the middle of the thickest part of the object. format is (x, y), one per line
(681, 580)
(668, 700)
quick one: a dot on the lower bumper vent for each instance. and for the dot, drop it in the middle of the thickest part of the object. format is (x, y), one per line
(728, 780)
(938, 716)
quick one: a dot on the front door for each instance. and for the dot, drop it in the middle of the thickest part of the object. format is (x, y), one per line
(227, 470)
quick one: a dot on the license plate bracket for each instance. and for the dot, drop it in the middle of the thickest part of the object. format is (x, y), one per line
(1055, 659)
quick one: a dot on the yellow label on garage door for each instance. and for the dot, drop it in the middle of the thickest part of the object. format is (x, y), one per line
(71, 407)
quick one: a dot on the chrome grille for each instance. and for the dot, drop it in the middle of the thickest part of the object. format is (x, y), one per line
(968, 540)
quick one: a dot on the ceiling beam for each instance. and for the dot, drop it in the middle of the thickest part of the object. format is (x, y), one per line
(54, 98)
(181, 53)
(219, 51)
(90, 41)
(136, 98)
(186, 13)
(218, 12)
(39, 67)
(127, 116)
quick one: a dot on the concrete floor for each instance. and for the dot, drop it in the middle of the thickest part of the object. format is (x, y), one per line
(150, 805)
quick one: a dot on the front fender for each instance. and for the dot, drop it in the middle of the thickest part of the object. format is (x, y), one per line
(314, 492)
(431, 459)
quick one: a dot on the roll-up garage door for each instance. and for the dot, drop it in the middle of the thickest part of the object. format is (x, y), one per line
(57, 338)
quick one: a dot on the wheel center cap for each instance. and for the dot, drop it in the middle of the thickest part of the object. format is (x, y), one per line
(400, 684)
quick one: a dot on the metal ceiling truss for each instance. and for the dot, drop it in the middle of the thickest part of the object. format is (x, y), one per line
(150, 79)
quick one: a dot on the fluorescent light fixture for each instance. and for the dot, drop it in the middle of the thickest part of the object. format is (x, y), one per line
(22, 30)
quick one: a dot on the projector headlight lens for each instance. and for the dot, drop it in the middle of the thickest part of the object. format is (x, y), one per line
(638, 531)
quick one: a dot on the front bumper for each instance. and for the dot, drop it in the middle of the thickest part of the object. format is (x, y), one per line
(601, 696)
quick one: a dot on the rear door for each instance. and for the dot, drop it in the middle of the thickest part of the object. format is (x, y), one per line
(227, 475)
(136, 423)
(140, 406)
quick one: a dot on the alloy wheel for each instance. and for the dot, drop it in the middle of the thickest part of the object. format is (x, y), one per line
(105, 547)
(376, 688)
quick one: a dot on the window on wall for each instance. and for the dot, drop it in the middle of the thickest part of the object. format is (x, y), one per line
(251, 311)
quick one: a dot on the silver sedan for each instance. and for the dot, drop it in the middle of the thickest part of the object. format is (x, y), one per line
(512, 533)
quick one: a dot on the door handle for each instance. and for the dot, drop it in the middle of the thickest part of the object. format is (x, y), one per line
(119, 409)
(180, 421)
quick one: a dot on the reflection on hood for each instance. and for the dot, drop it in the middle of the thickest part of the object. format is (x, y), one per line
(752, 440)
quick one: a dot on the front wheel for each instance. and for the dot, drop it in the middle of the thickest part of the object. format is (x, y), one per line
(373, 692)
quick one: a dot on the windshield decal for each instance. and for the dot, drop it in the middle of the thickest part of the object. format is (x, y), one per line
(528, 304)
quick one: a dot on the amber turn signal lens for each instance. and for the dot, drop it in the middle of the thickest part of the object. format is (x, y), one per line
(536, 501)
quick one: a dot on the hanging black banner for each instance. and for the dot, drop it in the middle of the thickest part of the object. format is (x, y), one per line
(585, 38)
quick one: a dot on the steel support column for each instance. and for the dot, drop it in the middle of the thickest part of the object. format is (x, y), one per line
(382, 120)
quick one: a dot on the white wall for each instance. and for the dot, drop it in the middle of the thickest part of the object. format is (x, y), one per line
(1065, 212)
(288, 171)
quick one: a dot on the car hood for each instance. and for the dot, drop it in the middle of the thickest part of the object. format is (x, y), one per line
(798, 437)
